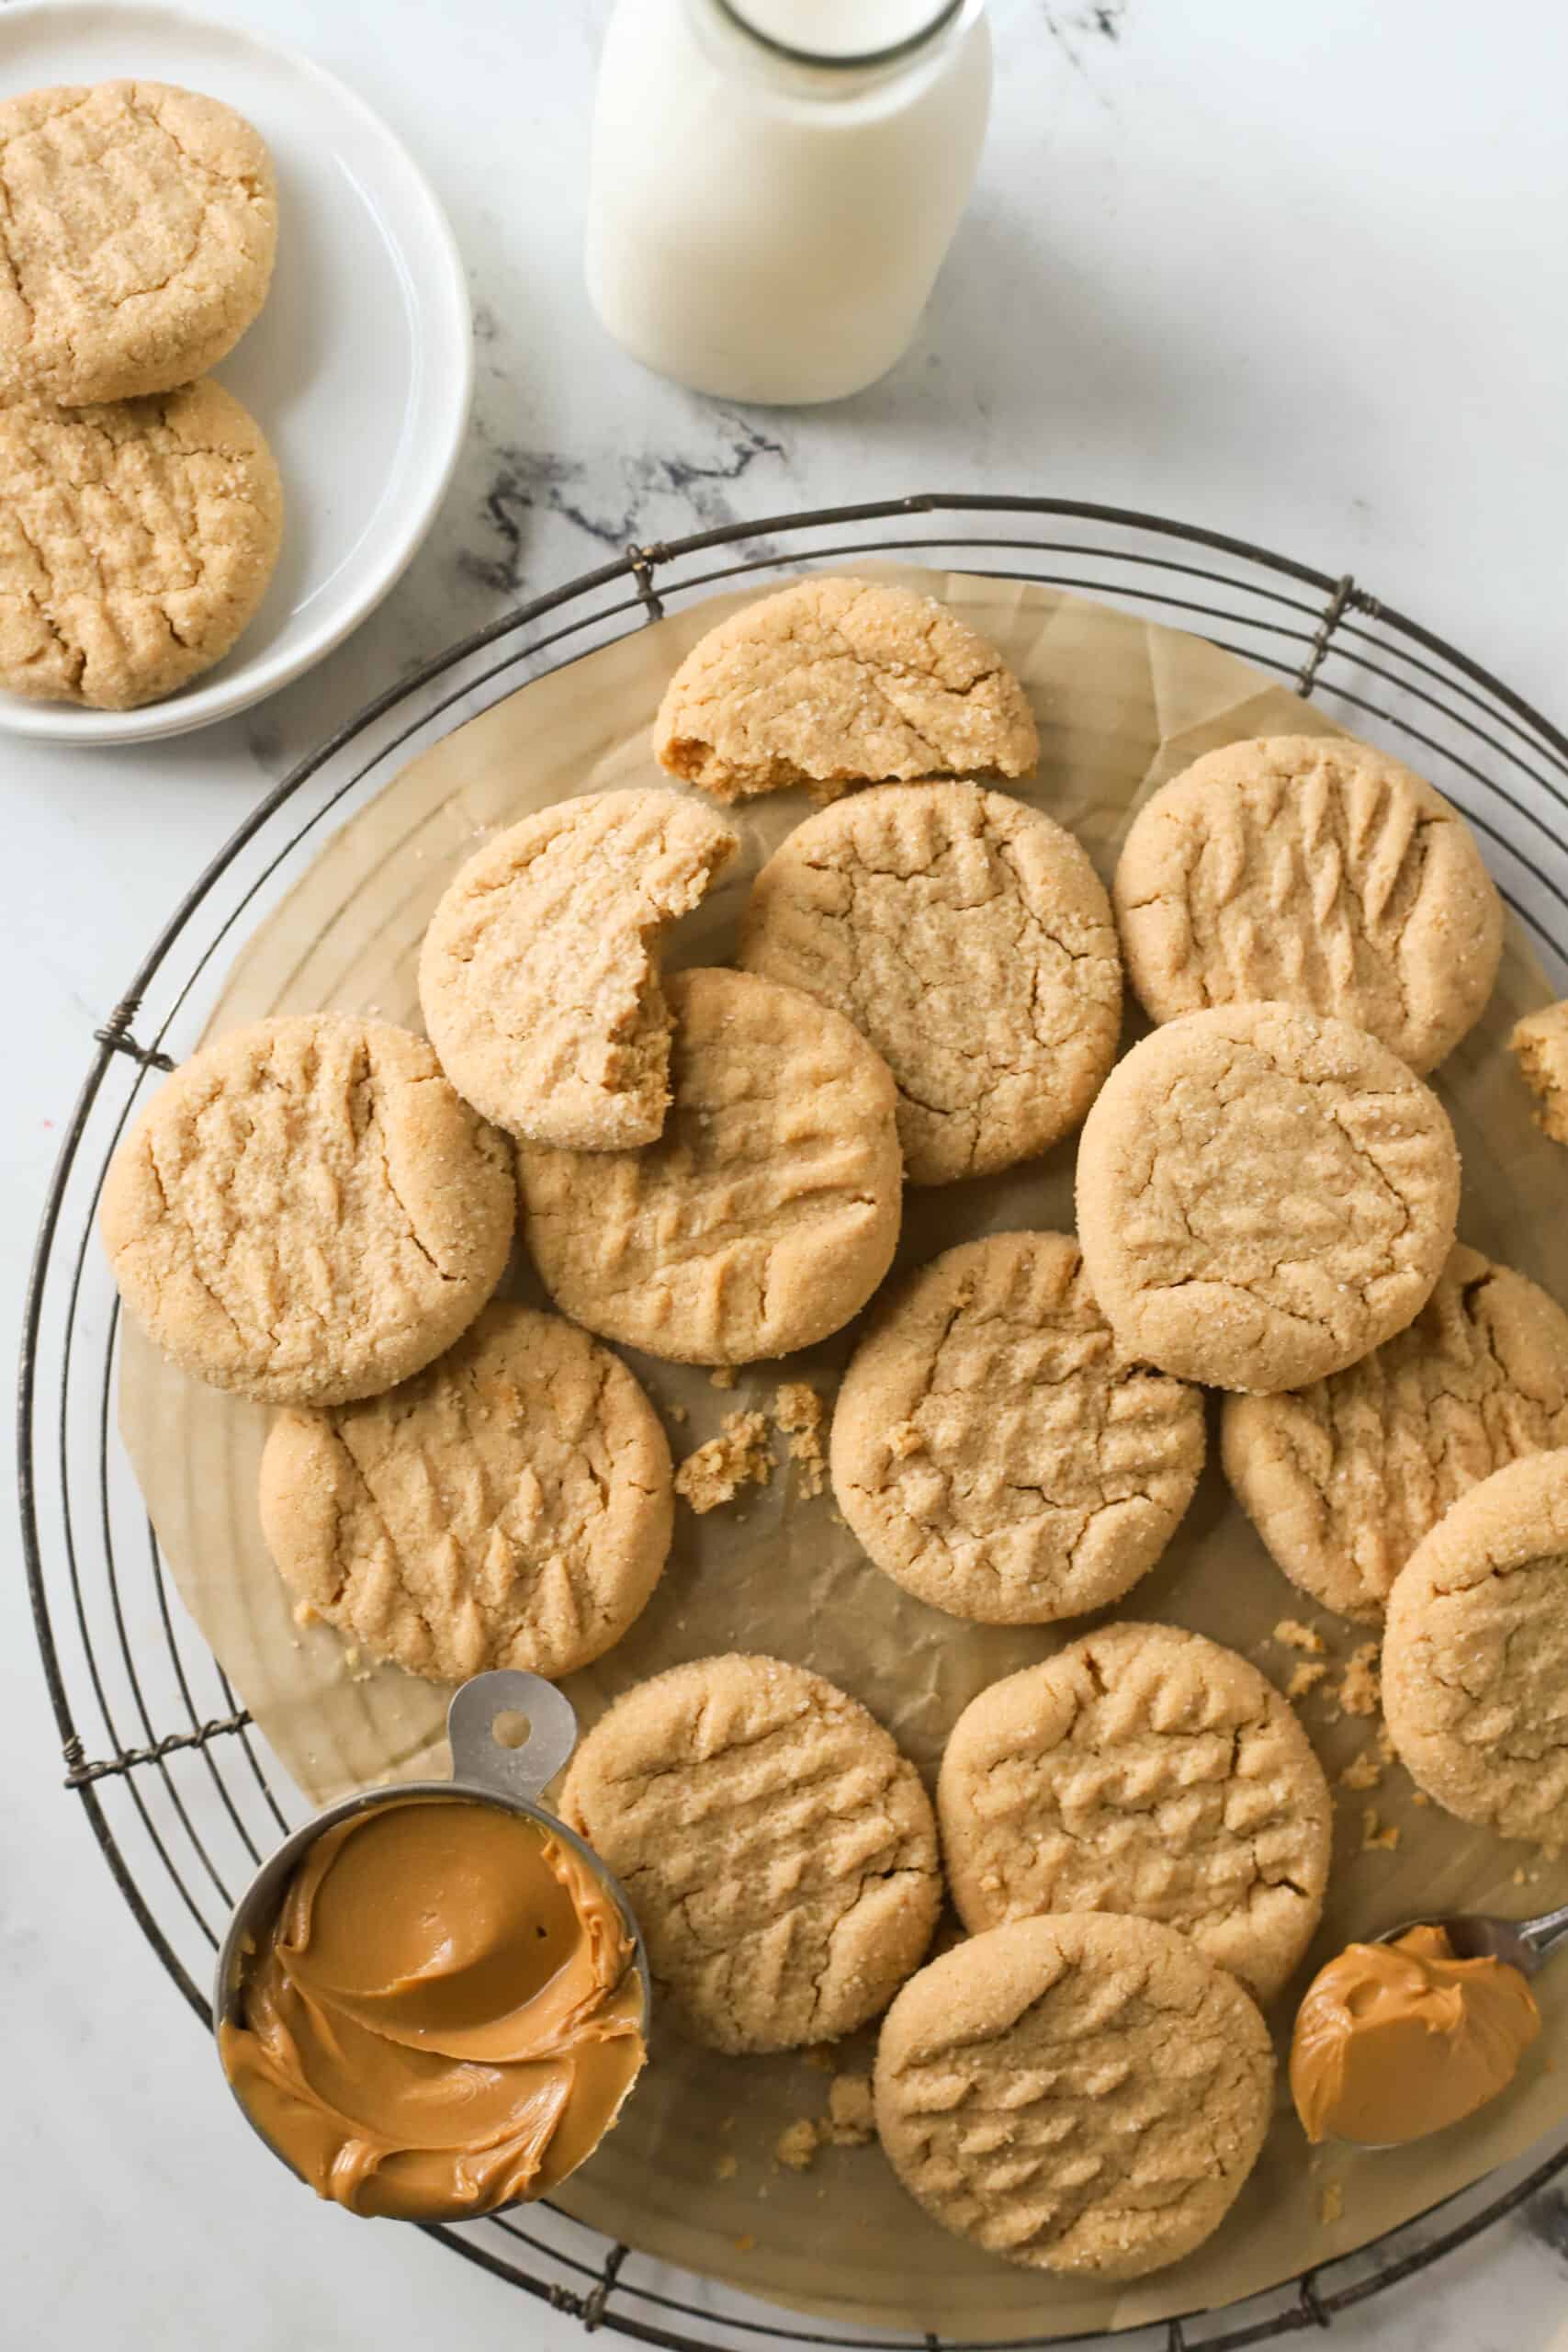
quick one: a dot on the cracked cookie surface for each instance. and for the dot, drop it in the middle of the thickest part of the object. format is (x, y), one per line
(138, 224)
(137, 540)
(779, 1851)
(307, 1211)
(835, 683)
(1316, 872)
(992, 1451)
(969, 938)
(511, 1506)
(1263, 1195)
(1539, 1045)
(1083, 2094)
(539, 974)
(1343, 1479)
(1475, 1656)
(767, 1212)
(1147, 1771)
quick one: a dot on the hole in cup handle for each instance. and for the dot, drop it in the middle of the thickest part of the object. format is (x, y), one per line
(480, 1755)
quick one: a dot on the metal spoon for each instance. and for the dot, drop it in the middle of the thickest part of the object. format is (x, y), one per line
(1524, 1944)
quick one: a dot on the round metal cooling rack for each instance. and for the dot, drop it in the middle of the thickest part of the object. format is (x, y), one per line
(182, 1794)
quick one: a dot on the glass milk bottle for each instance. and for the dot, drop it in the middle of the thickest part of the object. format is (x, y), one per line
(774, 183)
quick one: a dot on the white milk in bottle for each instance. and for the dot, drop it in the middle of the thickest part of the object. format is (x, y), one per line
(774, 183)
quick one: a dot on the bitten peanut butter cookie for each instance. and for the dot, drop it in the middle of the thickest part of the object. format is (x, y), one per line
(1316, 872)
(307, 1211)
(780, 1851)
(767, 1212)
(992, 1451)
(834, 683)
(1080, 2094)
(968, 937)
(137, 230)
(539, 975)
(1147, 1771)
(511, 1506)
(1263, 1197)
(1539, 1046)
(136, 542)
(1475, 1655)
(1343, 1479)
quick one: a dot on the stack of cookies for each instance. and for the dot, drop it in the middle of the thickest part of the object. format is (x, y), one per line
(140, 511)
(1134, 1832)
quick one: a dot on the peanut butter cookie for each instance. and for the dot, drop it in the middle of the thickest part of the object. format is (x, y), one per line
(1475, 1655)
(539, 975)
(307, 1211)
(834, 683)
(137, 229)
(1083, 2094)
(991, 1451)
(1263, 1195)
(1313, 871)
(968, 937)
(767, 1212)
(136, 542)
(1343, 1479)
(1539, 1045)
(511, 1506)
(1147, 1771)
(780, 1851)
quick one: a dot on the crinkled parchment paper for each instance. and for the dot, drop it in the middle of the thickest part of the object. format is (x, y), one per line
(1122, 704)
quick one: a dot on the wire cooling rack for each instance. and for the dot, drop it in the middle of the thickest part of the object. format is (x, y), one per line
(181, 1792)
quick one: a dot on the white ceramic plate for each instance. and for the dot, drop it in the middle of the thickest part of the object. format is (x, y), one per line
(359, 369)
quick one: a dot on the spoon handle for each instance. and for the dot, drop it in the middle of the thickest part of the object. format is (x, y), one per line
(1544, 1935)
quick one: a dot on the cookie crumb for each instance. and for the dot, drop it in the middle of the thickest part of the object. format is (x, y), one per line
(851, 2119)
(1377, 1837)
(717, 1471)
(679, 1414)
(722, 1377)
(1363, 1771)
(728, 2165)
(801, 1414)
(1297, 1636)
(1539, 1045)
(1330, 2201)
(745, 2242)
(1360, 1685)
(798, 2143)
(1305, 1677)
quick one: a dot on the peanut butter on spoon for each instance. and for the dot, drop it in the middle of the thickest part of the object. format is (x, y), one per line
(1396, 2040)
(445, 2017)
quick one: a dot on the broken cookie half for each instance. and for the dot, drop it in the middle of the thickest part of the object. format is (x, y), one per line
(539, 976)
(834, 683)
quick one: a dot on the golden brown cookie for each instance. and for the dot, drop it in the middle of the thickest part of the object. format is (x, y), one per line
(1147, 1771)
(539, 975)
(1263, 1195)
(137, 229)
(834, 683)
(1539, 1045)
(991, 1451)
(1342, 1479)
(1083, 2094)
(968, 937)
(1313, 871)
(307, 1211)
(779, 1850)
(511, 1506)
(136, 542)
(767, 1212)
(1475, 1655)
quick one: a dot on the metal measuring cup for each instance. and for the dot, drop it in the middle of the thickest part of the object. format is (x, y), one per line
(485, 1770)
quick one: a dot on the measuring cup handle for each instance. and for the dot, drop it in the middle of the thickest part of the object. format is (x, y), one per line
(478, 1756)
(1546, 1934)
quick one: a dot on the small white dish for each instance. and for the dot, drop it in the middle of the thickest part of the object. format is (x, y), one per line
(359, 369)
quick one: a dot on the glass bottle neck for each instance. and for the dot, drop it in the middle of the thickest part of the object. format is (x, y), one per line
(827, 50)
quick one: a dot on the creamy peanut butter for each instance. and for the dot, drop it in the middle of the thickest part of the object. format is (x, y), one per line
(1394, 2041)
(446, 2016)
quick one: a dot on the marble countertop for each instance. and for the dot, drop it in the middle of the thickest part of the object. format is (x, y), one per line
(1293, 273)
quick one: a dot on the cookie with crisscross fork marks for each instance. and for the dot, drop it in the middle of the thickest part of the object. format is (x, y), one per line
(779, 1851)
(1141, 1770)
(1084, 2094)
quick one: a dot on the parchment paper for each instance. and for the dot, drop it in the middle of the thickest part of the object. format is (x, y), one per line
(1122, 704)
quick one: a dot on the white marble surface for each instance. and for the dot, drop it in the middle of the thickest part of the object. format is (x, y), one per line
(1295, 272)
